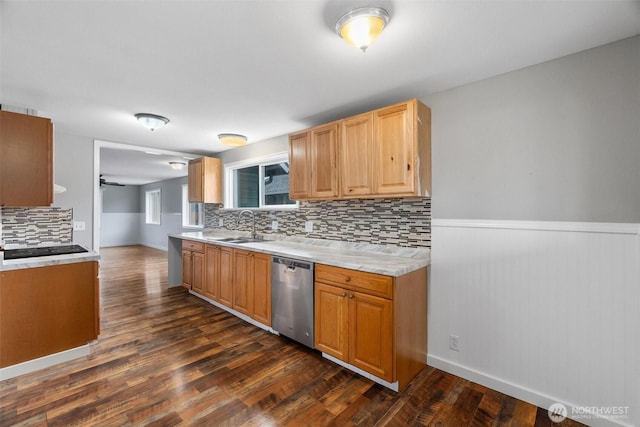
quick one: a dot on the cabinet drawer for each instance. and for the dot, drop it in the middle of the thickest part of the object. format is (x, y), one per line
(371, 283)
(193, 246)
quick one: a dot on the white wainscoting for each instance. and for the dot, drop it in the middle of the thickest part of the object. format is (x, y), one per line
(544, 311)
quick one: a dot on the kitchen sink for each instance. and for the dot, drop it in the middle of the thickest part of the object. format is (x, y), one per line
(238, 240)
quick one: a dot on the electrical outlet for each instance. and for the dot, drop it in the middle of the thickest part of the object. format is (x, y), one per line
(454, 342)
(274, 225)
(220, 222)
(308, 226)
(79, 226)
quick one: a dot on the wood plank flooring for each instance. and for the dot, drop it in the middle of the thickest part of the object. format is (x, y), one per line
(167, 358)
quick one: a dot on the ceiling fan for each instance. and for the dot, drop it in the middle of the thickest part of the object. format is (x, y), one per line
(105, 182)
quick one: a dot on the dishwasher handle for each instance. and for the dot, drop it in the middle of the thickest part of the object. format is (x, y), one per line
(292, 264)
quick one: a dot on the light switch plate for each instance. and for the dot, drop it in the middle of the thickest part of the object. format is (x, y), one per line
(79, 226)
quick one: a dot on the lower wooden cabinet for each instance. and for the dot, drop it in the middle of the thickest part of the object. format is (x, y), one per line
(226, 277)
(46, 310)
(193, 266)
(212, 272)
(355, 327)
(262, 288)
(376, 323)
(243, 281)
(239, 279)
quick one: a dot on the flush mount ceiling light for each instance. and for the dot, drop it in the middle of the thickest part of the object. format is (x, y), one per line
(360, 27)
(177, 165)
(151, 121)
(232, 139)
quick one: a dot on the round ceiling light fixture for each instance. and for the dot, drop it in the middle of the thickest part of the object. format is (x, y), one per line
(177, 165)
(360, 27)
(232, 139)
(151, 121)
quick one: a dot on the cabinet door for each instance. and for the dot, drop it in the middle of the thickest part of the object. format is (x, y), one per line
(26, 160)
(394, 149)
(262, 288)
(47, 310)
(324, 172)
(243, 281)
(356, 155)
(299, 170)
(371, 334)
(187, 269)
(225, 295)
(212, 272)
(194, 181)
(197, 278)
(331, 333)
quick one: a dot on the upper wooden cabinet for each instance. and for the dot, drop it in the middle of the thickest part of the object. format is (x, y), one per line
(26, 160)
(313, 172)
(299, 171)
(205, 180)
(356, 155)
(382, 153)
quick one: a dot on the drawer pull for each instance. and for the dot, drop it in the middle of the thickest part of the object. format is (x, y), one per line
(347, 279)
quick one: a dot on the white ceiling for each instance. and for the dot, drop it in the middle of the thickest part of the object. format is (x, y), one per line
(267, 67)
(134, 167)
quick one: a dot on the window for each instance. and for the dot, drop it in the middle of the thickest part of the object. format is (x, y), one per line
(259, 183)
(192, 213)
(152, 206)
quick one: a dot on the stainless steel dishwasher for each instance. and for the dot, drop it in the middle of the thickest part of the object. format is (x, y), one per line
(292, 299)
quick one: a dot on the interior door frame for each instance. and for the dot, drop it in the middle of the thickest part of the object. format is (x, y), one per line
(97, 199)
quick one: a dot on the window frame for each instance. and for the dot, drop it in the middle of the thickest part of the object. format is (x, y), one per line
(186, 209)
(230, 168)
(147, 214)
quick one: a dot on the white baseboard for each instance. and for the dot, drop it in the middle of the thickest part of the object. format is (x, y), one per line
(162, 248)
(43, 362)
(235, 313)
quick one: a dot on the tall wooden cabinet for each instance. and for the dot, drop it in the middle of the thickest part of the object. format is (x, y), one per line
(26, 160)
(374, 322)
(205, 180)
(382, 153)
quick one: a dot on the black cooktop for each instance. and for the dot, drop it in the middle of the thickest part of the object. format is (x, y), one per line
(43, 251)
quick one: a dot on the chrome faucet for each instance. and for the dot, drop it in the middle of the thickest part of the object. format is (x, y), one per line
(253, 222)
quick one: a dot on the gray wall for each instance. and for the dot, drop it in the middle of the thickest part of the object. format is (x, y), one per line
(121, 199)
(153, 235)
(73, 169)
(557, 141)
(120, 217)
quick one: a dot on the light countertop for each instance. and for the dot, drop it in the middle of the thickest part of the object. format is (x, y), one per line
(45, 261)
(380, 259)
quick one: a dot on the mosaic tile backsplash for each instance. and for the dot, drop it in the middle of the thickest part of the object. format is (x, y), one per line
(399, 222)
(36, 226)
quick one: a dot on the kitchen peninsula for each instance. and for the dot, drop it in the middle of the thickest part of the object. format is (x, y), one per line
(49, 310)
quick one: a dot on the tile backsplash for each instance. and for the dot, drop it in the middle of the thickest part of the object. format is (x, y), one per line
(36, 226)
(400, 222)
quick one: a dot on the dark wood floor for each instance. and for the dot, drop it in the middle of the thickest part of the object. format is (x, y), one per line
(166, 358)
